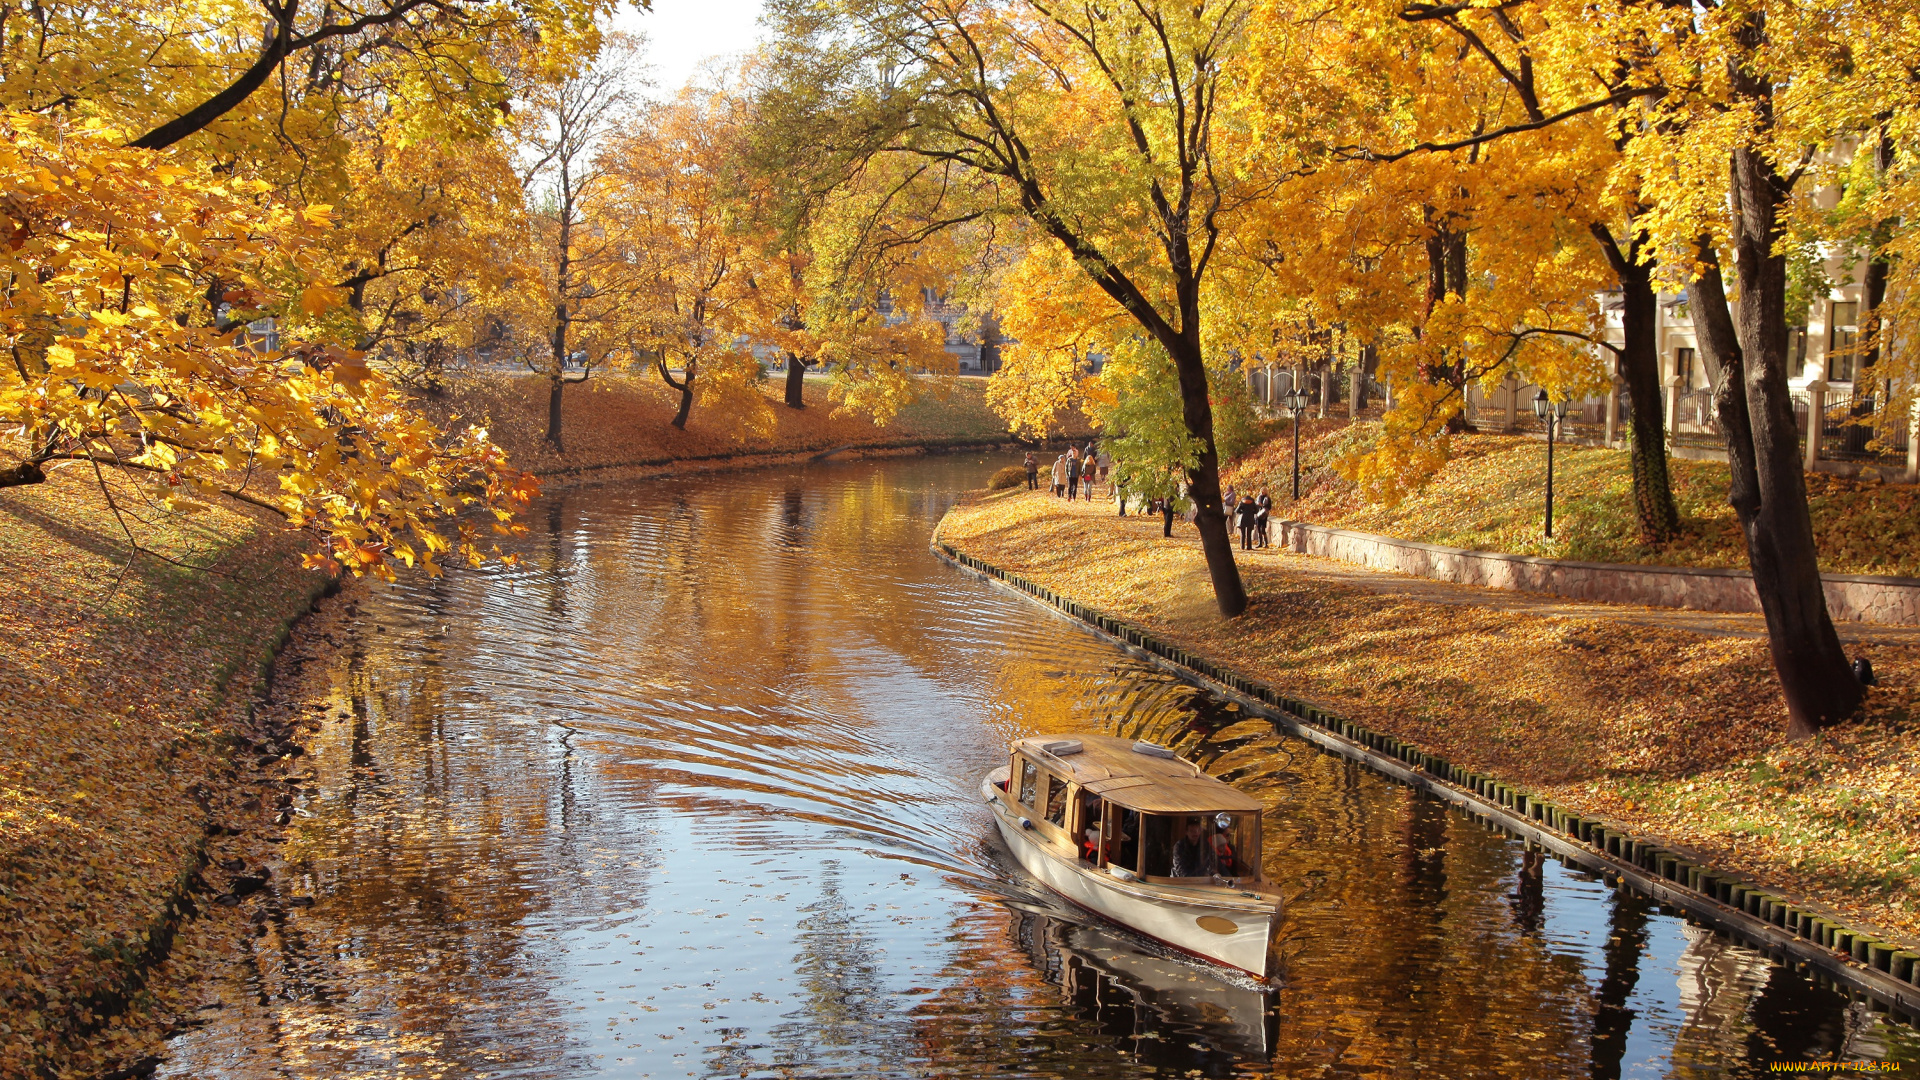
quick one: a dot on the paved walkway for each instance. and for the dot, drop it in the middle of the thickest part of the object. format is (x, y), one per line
(1719, 624)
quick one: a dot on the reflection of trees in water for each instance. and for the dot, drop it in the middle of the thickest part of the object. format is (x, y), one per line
(1612, 1020)
(1529, 897)
(844, 1000)
(1406, 951)
(442, 832)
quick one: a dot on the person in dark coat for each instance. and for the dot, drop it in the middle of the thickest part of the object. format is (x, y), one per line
(1073, 475)
(1265, 503)
(1033, 472)
(1247, 516)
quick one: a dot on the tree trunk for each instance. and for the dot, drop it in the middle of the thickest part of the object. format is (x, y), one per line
(685, 386)
(1867, 381)
(1369, 364)
(1767, 488)
(1203, 480)
(557, 385)
(1654, 511)
(796, 382)
(686, 403)
(1447, 276)
(27, 472)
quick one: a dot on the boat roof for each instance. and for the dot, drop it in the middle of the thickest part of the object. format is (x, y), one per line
(1109, 767)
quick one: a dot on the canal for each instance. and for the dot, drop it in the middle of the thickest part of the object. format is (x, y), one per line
(692, 791)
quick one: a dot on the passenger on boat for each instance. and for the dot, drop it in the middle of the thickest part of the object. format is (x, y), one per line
(1223, 854)
(1193, 853)
(1116, 835)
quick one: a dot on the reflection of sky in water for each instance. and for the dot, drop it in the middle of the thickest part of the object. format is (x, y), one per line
(693, 792)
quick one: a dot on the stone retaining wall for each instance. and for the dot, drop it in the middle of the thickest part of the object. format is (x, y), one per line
(1850, 597)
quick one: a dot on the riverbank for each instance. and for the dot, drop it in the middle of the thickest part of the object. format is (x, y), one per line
(617, 427)
(1491, 494)
(1664, 733)
(144, 767)
(134, 782)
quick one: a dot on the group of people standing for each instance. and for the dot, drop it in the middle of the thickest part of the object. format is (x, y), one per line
(1251, 514)
(1074, 473)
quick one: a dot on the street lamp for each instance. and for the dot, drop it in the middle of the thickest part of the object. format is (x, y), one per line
(1296, 399)
(1553, 414)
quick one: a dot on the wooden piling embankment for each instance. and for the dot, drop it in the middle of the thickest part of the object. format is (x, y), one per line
(1884, 973)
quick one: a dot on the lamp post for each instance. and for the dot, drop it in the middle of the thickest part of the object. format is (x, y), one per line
(1553, 414)
(1296, 399)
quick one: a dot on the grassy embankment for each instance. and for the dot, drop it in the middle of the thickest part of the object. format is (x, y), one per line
(1490, 497)
(617, 426)
(125, 704)
(1674, 736)
(121, 696)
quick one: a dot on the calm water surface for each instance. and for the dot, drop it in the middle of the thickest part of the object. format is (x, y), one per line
(693, 792)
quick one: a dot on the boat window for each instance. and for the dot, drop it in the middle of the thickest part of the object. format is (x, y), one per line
(1029, 781)
(1056, 801)
(1236, 847)
(1195, 846)
(1156, 845)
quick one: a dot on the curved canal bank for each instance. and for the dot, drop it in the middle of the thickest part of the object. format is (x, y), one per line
(691, 791)
(1437, 696)
(142, 790)
(1883, 971)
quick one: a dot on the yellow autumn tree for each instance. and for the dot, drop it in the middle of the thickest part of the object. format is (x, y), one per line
(131, 283)
(678, 215)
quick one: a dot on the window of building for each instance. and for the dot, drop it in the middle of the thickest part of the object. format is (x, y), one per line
(1683, 367)
(1796, 351)
(1844, 333)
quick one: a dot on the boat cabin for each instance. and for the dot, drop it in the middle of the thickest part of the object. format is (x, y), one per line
(1135, 810)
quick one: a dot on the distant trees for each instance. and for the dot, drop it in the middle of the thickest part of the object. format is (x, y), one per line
(1447, 190)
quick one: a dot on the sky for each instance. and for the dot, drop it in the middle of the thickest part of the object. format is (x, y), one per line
(682, 34)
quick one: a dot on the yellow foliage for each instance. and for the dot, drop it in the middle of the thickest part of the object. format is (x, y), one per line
(126, 323)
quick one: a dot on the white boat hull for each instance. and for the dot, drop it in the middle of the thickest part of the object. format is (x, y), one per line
(1170, 914)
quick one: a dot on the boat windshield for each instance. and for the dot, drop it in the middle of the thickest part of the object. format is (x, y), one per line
(1029, 781)
(1056, 801)
(1219, 844)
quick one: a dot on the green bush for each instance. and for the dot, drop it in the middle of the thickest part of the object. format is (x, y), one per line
(1009, 477)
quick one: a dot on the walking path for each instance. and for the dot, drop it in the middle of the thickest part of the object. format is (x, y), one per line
(1329, 571)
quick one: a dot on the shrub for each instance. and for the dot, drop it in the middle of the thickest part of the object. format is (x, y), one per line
(1009, 477)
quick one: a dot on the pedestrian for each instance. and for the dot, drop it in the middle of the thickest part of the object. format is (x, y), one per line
(1033, 472)
(1120, 492)
(1246, 516)
(1059, 475)
(1073, 474)
(1229, 500)
(1106, 468)
(1265, 503)
(1089, 472)
(1166, 517)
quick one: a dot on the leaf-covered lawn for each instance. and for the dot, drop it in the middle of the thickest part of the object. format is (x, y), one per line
(1673, 734)
(1491, 496)
(114, 702)
(613, 419)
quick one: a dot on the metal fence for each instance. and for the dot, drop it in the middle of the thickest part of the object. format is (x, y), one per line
(1856, 427)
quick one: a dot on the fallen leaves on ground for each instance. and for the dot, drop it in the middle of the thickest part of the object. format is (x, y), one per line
(1491, 496)
(122, 687)
(1674, 734)
(617, 420)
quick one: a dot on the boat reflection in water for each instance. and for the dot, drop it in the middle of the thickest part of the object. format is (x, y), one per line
(1166, 1010)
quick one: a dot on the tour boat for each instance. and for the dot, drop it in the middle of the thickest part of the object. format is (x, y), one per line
(1140, 836)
